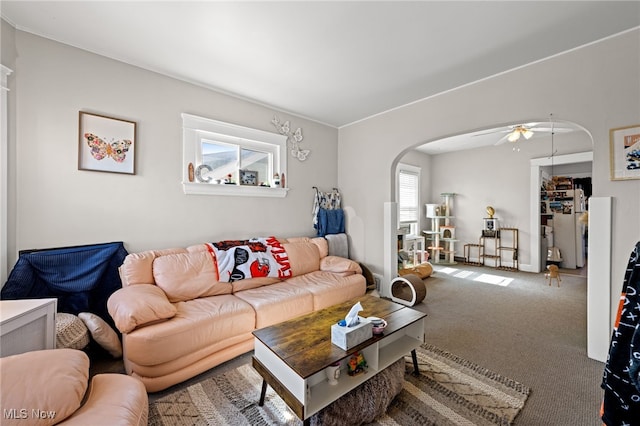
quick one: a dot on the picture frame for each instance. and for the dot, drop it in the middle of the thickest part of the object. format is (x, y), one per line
(625, 152)
(106, 144)
(490, 224)
(491, 227)
(248, 177)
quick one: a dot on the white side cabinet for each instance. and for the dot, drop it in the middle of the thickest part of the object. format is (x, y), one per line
(27, 325)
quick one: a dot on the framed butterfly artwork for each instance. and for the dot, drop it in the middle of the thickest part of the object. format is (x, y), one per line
(106, 144)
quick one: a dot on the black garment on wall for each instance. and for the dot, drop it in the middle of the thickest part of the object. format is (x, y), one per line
(621, 380)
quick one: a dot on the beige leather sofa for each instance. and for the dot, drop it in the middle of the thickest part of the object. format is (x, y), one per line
(179, 320)
(51, 387)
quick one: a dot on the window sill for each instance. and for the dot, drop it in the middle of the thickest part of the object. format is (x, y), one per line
(192, 188)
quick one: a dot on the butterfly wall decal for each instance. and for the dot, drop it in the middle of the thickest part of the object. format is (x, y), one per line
(300, 154)
(116, 150)
(297, 135)
(293, 138)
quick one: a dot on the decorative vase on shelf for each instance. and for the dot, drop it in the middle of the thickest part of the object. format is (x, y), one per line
(491, 211)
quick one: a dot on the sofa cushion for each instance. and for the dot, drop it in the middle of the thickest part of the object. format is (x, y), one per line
(102, 333)
(321, 242)
(197, 248)
(340, 265)
(52, 381)
(329, 289)
(187, 276)
(138, 305)
(278, 302)
(249, 283)
(304, 257)
(137, 268)
(114, 399)
(197, 324)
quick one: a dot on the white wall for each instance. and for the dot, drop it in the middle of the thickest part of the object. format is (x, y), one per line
(7, 152)
(575, 170)
(7, 44)
(596, 87)
(57, 205)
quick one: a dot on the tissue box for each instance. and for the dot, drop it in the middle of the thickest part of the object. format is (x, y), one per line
(348, 337)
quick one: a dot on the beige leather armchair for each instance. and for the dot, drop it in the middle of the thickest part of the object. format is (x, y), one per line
(52, 387)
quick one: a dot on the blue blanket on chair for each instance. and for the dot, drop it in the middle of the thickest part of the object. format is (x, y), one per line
(81, 278)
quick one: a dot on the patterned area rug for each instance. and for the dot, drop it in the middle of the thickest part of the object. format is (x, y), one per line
(449, 391)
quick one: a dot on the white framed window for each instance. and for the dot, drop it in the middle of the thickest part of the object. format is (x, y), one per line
(226, 159)
(408, 190)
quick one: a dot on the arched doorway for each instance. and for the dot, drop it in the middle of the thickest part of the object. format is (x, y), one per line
(598, 330)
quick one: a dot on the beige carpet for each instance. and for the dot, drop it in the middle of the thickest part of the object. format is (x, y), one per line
(526, 330)
(449, 390)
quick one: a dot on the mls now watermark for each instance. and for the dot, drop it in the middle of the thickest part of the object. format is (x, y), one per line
(24, 414)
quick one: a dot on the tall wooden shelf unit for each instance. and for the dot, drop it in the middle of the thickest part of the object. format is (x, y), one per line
(509, 247)
(490, 250)
(441, 236)
(501, 248)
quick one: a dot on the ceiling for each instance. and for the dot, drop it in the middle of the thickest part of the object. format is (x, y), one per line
(497, 136)
(332, 62)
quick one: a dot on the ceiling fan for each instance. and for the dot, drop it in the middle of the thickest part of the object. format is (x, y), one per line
(525, 131)
(519, 131)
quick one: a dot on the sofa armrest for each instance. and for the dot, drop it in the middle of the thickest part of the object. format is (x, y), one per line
(340, 265)
(113, 399)
(137, 305)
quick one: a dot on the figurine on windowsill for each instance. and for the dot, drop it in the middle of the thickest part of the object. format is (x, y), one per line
(357, 364)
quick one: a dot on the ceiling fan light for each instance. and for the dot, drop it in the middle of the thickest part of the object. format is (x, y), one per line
(527, 134)
(513, 136)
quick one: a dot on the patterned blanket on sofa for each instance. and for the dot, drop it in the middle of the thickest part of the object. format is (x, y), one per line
(257, 257)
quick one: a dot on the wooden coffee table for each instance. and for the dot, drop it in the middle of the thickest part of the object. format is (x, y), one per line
(291, 356)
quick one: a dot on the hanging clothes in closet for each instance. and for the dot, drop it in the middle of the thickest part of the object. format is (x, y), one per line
(328, 217)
